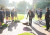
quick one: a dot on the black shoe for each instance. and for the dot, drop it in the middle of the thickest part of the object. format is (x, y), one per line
(46, 29)
(28, 25)
(1, 27)
(12, 20)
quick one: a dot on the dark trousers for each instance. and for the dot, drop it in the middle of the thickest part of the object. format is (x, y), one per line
(30, 21)
(47, 24)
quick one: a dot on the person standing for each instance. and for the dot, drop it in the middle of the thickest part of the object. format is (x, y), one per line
(12, 15)
(1, 18)
(47, 19)
(3, 12)
(31, 15)
(38, 13)
(15, 14)
(7, 14)
(33, 10)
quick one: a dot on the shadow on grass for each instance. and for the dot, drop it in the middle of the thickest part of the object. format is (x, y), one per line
(13, 24)
(27, 29)
(1, 30)
(40, 23)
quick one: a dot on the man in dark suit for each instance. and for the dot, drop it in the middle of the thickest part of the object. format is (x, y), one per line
(7, 14)
(31, 15)
(3, 14)
(1, 18)
(47, 18)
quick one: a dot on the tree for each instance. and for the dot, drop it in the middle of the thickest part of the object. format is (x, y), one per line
(4, 2)
(22, 6)
(43, 5)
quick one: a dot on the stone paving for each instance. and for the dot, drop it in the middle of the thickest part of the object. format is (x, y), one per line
(18, 28)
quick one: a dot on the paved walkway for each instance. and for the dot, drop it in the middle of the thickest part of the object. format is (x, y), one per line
(18, 28)
(39, 30)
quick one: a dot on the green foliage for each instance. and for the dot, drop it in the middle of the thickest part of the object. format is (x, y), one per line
(43, 5)
(26, 33)
(22, 6)
(4, 25)
(2, 6)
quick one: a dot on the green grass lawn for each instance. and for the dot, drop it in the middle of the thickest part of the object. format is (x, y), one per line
(44, 26)
(26, 33)
(21, 16)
